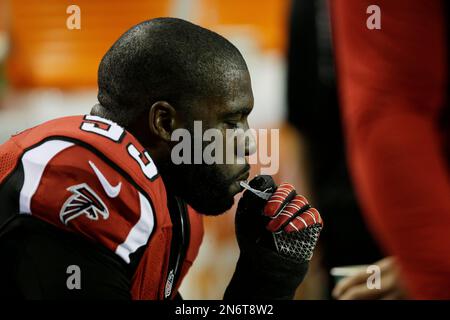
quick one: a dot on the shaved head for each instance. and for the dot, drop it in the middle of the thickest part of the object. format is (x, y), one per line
(164, 59)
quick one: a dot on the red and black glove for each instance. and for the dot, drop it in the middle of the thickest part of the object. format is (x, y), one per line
(294, 224)
(276, 238)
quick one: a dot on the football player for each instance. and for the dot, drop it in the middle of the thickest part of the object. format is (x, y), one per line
(94, 207)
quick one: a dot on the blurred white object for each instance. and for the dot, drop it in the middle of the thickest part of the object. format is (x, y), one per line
(340, 273)
(27, 108)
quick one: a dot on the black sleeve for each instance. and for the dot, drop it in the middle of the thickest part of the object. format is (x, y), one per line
(40, 261)
(265, 275)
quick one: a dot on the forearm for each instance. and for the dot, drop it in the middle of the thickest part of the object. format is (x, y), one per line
(403, 182)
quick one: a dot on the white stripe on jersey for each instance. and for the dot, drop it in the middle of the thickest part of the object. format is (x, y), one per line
(140, 233)
(34, 162)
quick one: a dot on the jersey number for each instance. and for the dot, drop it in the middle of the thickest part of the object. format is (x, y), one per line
(114, 132)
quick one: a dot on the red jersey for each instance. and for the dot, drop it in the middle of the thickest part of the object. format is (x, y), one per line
(89, 176)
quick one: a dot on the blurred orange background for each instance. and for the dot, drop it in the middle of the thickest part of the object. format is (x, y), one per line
(45, 53)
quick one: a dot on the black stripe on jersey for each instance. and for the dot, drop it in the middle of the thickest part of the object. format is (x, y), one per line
(180, 240)
(445, 116)
(10, 194)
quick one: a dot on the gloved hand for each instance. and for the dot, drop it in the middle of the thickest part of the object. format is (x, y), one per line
(276, 238)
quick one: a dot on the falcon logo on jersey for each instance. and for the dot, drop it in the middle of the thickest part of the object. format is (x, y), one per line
(84, 201)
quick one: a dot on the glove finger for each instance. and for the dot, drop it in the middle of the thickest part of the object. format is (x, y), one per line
(289, 212)
(252, 203)
(304, 220)
(249, 221)
(280, 198)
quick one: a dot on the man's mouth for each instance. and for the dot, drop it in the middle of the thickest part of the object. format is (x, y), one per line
(243, 177)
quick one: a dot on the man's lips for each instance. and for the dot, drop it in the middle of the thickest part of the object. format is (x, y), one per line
(242, 177)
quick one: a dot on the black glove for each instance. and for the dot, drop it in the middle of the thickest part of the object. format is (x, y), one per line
(276, 238)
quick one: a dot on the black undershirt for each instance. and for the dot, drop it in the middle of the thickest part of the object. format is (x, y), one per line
(36, 258)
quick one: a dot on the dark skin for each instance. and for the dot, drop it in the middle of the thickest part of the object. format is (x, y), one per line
(210, 189)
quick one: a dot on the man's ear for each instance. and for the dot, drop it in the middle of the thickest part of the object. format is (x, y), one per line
(161, 120)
